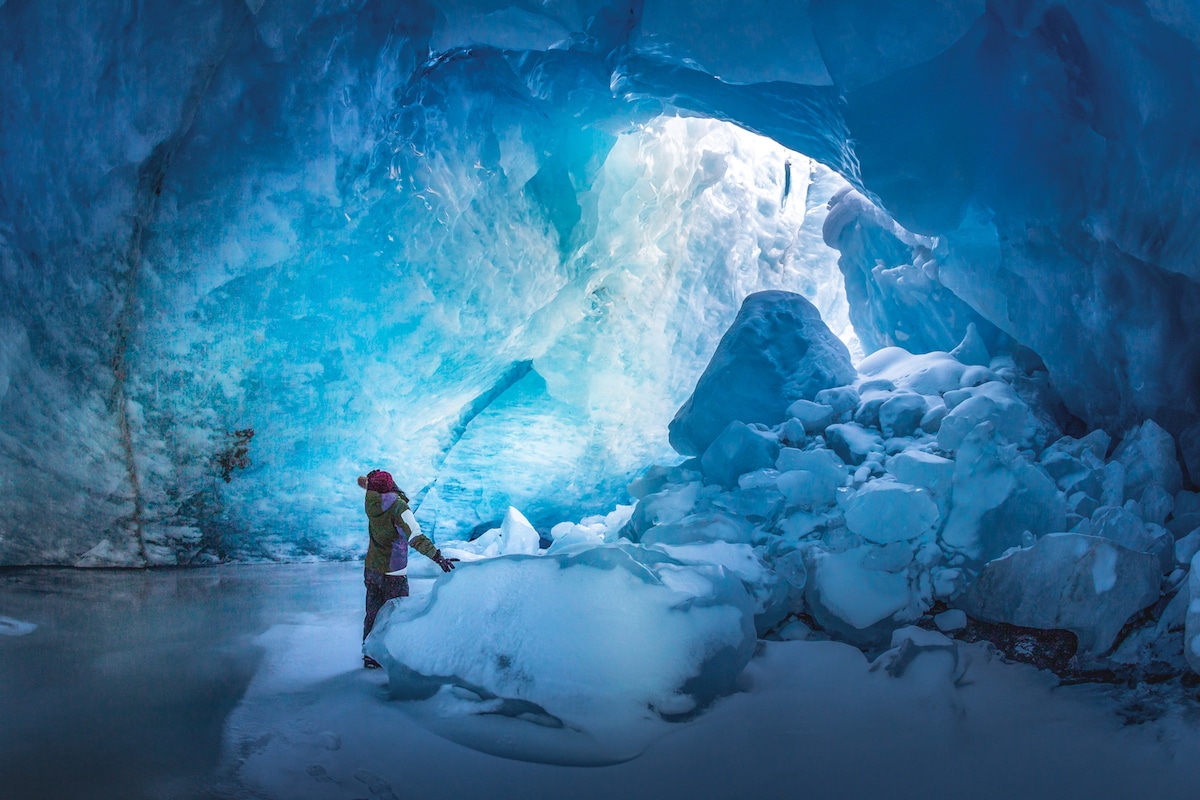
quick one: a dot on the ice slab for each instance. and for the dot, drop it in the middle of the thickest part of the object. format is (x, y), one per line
(1084, 584)
(738, 450)
(887, 511)
(584, 655)
(1148, 453)
(847, 596)
(1191, 641)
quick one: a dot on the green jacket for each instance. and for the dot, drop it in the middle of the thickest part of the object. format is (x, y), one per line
(385, 527)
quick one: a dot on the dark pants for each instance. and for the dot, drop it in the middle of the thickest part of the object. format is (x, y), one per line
(380, 589)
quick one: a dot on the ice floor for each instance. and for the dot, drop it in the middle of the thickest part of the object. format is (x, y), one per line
(244, 682)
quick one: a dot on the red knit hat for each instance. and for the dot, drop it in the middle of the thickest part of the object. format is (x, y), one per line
(380, 481)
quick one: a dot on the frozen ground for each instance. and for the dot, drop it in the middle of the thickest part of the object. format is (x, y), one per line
(244, 681)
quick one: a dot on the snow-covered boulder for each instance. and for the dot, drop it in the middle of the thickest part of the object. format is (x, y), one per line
(855, 598)
(901, 414)
(815, 417)
(885, 511)
(919, 468)
(925, 373)
(998, 495)
(1085, 584)
(776, 352)
(809, 478)
(738, 450)
(582, 649)
(1148, 453)
(994, 402)
(842, 399)
(852, 442)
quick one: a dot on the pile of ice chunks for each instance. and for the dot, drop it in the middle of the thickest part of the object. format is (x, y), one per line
(933, 488)
(940, 479)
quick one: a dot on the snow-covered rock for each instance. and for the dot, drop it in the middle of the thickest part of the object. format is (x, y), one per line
(1085, 584)
(646, 634)
(885, 511)
(815, 417)
(842, 399)
(777, 351)
(993, 402)
(997, 496)
(901, 414)
(952, 620)
(809, 478)
(852, 442)
(847, 596)
(919, 468)
(1148, 454)
(737, 450)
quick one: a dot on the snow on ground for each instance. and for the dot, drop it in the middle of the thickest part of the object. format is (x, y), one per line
(813, 718)
(245, 681)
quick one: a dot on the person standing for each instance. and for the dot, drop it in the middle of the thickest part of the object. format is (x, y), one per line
(393, 530)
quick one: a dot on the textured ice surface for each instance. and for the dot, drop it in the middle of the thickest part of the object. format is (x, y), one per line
(777, 351)
(1081, 583)
(382, 234)
(1191, 645)
(365, 273)
(887, 511)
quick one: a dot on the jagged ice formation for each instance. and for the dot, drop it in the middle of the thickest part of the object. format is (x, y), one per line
(476, 241)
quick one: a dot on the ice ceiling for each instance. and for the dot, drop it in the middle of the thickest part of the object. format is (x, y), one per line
(492, 245)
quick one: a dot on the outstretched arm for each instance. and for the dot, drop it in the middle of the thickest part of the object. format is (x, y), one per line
(422, 543)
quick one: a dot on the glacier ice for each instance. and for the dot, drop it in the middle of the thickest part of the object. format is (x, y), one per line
(1085, 584)
(776, 351)
(260, 214)
(737, 450)
(362, 271)
(581, 656)
(888, 511)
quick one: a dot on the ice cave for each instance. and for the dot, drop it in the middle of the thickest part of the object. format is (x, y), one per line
(746, 400)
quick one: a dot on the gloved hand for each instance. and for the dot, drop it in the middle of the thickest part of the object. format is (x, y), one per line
(447, 564)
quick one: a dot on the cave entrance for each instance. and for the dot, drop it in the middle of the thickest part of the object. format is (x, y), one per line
(683, 219)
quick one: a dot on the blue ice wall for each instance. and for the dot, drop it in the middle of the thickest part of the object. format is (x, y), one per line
(482, 270)
(456, 238)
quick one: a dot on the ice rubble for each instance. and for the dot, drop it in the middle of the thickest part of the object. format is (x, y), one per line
(820, 525)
